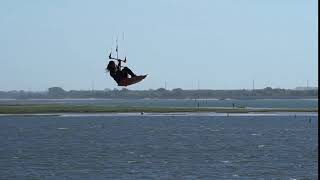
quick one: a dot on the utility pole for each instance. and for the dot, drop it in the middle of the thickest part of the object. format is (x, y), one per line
(253, 88)
(92, 85)
(198, 84)
(253, 85)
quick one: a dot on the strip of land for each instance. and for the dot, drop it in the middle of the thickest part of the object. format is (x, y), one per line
(54, 108)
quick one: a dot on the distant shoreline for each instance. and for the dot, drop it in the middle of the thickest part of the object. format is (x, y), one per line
(293, 114)
(62, 108)
(163, 93)
(199, 99)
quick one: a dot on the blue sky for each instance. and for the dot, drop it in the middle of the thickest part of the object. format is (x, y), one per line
(218, 44)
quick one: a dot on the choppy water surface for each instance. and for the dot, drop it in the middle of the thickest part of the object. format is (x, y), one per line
(159, 147)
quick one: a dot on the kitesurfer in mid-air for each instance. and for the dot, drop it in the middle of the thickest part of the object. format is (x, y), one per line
(121, 75)
(116, 72)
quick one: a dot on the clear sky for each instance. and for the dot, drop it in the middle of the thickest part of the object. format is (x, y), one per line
(211, 44)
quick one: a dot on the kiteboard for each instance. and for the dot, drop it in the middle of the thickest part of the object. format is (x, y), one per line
(132, 80)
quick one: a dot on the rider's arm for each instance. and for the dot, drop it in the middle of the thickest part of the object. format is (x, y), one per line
(119, 65)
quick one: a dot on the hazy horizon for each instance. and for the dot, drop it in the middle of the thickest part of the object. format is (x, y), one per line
(169, 89)
(206, 44)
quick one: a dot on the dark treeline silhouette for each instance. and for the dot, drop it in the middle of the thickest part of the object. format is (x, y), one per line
(161, 93)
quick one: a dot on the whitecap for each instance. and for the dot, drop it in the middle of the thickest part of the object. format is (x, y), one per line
(254, 134)
(225, 161)
(62, 128)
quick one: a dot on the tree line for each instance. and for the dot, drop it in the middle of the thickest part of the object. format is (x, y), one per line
(161, 93)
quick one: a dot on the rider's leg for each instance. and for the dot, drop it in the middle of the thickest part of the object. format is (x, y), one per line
(128, 71)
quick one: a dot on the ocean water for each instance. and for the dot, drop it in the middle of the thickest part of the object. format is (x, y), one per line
(258, 103)
(159, 147)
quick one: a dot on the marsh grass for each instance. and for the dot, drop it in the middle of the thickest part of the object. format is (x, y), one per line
(54, 108)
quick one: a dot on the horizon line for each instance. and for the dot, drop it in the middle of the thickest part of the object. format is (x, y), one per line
(109, 89)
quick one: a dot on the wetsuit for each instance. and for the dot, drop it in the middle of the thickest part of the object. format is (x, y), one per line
(119, 74)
